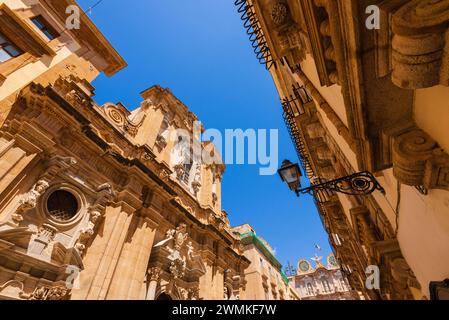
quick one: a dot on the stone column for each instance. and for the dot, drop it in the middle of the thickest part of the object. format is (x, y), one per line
(102, 257)
(133, 261)
(153, 279)
(13, 160)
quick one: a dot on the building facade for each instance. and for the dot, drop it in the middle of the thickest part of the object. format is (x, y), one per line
(98, 202)
(363, 86)
(264, 278)
(322, 282)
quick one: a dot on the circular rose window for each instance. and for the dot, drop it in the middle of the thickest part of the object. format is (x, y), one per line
(62, 205)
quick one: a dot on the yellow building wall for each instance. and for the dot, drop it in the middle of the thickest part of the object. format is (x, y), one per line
(432, 113)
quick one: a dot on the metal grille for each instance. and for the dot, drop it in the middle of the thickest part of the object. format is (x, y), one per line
(255, 32)
(61, 215)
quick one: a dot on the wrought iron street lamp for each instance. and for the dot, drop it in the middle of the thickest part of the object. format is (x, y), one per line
(362, 183)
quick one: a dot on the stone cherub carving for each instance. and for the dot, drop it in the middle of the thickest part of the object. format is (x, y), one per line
(29, 200)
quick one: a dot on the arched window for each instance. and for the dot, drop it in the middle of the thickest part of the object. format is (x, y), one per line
(309, 289)
(326, 286)
(343, 284)
(186, 174)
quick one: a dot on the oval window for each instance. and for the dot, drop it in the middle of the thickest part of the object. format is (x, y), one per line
(62, 205)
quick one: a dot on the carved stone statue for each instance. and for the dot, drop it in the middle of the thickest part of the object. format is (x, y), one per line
(29, 200)
(196, 184)
(180, 236)
(174, 242)
(318, 260)
(190, 250)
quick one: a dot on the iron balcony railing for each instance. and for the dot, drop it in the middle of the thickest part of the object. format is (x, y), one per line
(255, 32)
(294, 107)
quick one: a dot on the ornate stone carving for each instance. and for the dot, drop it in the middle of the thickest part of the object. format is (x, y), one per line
(50, 293)
(29, 200)
(363, 226)
(419, 161)
(164, 174)
(119, 116)
(419, 44)
(398, 277)
(179, 170)
(279, 13)
(154, 274)
(180, 236)
(196, 184)
(178, 268)
(194, 293)
(318, 22)
(87, 232)
(403, 275)
(46, 233)
(186, 207)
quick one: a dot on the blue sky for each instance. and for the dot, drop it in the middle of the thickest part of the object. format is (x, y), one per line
(199, 49)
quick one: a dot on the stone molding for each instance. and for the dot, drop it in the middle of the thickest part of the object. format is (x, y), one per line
(419, 47)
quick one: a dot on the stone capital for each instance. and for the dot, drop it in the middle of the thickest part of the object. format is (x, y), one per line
(154, 273)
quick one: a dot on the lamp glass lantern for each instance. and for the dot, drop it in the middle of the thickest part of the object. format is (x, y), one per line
(291, 174)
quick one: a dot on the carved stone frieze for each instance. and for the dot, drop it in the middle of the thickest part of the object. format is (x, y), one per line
(50, 293)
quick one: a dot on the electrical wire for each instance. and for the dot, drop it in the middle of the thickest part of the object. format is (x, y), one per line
(88, 10)
(398, 207)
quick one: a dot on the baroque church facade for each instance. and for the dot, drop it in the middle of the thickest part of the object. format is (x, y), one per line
(97, 202)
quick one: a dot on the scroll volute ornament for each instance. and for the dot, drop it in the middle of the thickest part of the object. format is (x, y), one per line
(420, 29)
(419, 161)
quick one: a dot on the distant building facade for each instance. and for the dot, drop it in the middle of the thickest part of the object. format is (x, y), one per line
(98, 202)
(322, 282)
(264, 278)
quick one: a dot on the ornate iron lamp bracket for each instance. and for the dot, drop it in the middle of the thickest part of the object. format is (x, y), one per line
(362, 183)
